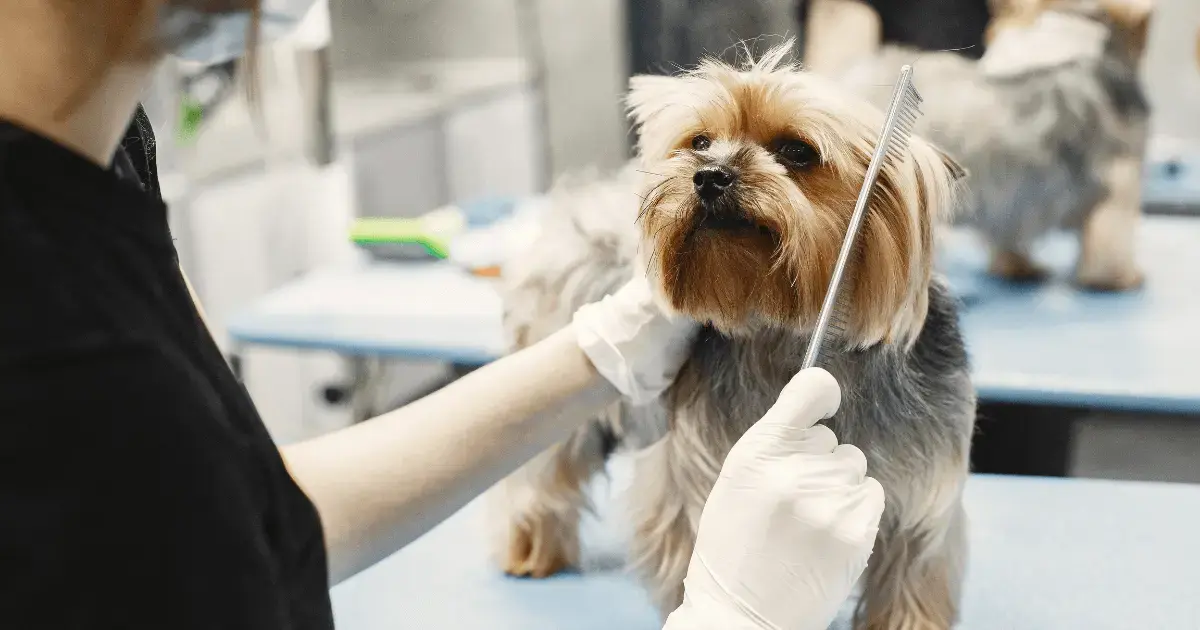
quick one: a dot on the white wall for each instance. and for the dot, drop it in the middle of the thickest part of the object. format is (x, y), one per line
(249, 234)
(582, 42)
(586, 64)
(1171, 69)
(369, 34)
(246, 231)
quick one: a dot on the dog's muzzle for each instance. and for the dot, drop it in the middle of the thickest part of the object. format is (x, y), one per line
(718, 208)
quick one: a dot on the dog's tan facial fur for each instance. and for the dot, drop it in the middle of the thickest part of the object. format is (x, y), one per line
(774, 268)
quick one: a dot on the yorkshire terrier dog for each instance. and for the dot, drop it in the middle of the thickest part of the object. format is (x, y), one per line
(1051, 123)
(735, 210)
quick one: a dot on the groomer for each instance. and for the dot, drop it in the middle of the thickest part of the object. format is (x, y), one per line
(140, 489)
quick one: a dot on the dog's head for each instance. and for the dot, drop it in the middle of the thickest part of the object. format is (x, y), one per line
(1126, 22)
(751, 178)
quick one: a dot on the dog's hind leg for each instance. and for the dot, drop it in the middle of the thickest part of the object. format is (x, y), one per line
(543, 502)
(914, 578)
(1108, 239)
(674, 478)
(1015, 266)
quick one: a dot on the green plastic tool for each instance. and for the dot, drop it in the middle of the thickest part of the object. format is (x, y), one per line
(433, 231)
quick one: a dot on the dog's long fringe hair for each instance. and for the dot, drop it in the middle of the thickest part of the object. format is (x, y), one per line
(804, 213)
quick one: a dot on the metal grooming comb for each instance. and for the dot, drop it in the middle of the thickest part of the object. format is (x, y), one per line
(893, 144)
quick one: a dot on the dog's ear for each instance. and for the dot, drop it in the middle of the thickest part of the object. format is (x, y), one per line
(926, 199)
(655, 103)
(649, 94)
(1131, 20)
(939, 180)
(957, 171)
(1006, 14)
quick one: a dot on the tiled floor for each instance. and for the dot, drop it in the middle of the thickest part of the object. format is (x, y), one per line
(1138, 448)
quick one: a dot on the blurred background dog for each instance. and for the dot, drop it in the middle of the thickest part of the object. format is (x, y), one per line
(747, 181)
(1051, 123)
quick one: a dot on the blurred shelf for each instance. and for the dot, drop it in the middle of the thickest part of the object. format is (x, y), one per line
(365, 105)
(405, 93)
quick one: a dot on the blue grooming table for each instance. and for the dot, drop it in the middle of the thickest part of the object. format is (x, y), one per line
(1044, 345)
(1043, 356)
(1051, 344)
(1046, 554)
(406, 310)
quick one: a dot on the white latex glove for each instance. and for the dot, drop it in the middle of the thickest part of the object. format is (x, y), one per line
(632, 342)
(789, 525)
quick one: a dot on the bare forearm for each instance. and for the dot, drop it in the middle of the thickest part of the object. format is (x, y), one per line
(381, 484)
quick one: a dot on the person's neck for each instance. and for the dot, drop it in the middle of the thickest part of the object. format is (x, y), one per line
(38, 91)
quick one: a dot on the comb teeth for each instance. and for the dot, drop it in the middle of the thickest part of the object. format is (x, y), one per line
(839, 322)
(906, 118)
(892, 147)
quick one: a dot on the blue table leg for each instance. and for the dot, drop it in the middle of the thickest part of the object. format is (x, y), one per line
(462, 369)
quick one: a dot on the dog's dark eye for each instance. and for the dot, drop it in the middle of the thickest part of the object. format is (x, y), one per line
(701, 142)
(796, 153)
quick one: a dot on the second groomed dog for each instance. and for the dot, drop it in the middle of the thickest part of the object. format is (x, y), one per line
(735, 210)
(1051, 124)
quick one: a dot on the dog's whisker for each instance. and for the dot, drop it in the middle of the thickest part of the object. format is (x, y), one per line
(654, 193)
(921, 55)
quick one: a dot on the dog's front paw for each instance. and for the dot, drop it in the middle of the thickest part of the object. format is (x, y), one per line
(1109, 280)
(1015, 267)
(540, 546)
(918, 624)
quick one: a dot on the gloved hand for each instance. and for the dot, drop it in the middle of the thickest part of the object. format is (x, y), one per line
(789, 525)
(632, 342)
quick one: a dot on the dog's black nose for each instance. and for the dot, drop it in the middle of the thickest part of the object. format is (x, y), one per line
(712, 181)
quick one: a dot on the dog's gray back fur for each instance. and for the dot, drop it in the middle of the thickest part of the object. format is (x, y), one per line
(1035, 145)
(899, 407)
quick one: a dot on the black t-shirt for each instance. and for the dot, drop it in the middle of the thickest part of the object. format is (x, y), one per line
(138, 485)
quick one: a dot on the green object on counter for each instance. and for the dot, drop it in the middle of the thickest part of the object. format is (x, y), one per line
(433, 231)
